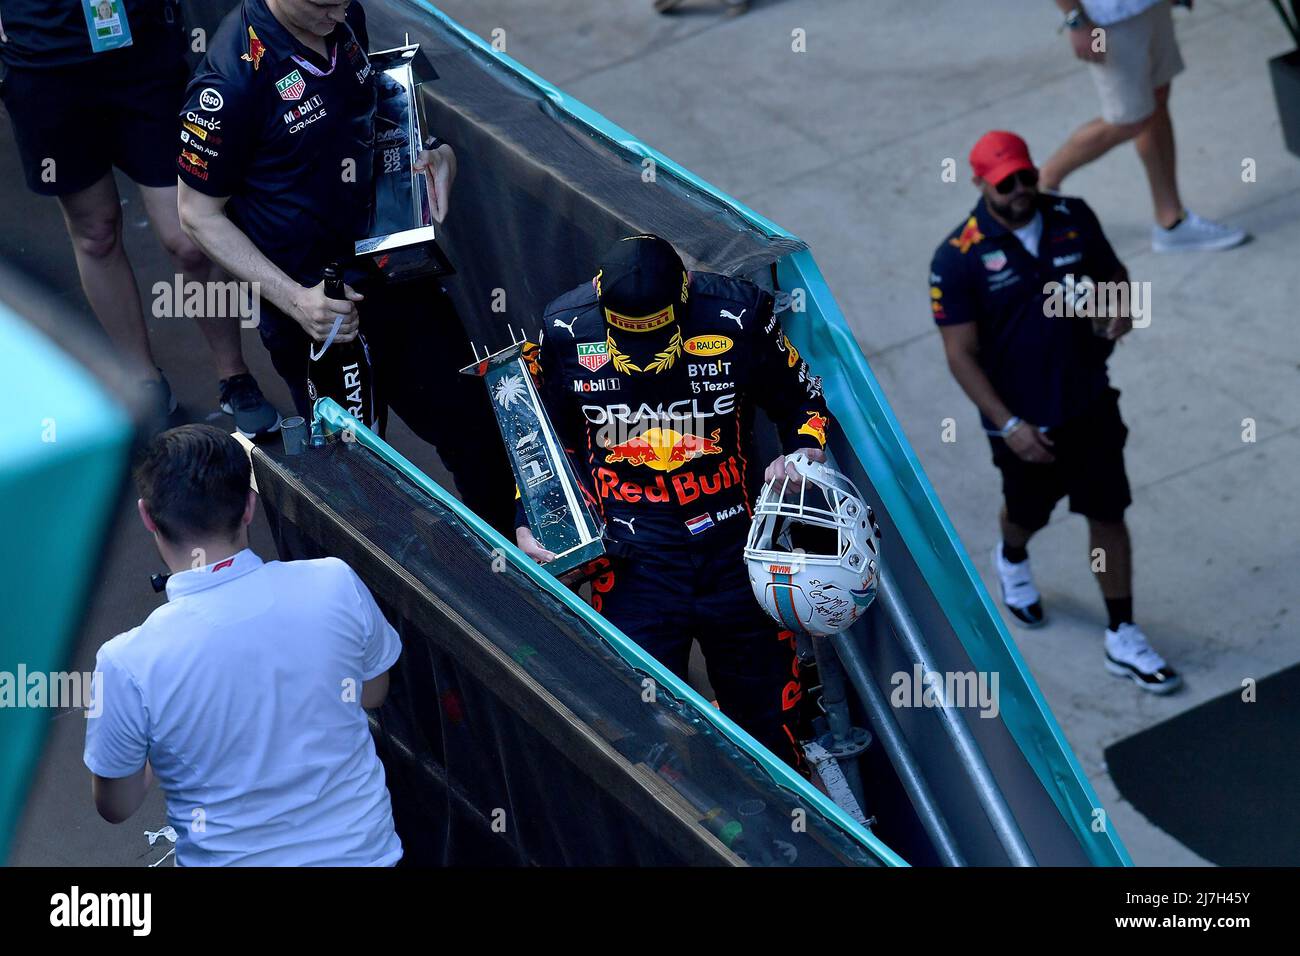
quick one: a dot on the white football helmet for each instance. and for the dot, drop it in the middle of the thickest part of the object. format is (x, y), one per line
(813, 550)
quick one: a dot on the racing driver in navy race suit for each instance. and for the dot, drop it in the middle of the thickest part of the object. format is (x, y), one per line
(650, 376)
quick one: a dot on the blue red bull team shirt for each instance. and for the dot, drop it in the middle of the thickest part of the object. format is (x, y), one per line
(1046, 369)
(289, 137)
(236, 692)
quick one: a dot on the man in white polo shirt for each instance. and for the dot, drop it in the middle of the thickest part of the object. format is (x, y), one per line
(243, 695)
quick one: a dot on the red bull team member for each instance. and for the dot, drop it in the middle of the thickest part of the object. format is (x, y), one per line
(651, 376)
(1040, 382)
(281, 114)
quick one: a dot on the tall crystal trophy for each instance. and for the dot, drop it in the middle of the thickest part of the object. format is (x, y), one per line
(402, 244)
(560, 517)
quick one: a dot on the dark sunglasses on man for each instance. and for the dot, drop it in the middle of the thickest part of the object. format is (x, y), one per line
(1026, 177)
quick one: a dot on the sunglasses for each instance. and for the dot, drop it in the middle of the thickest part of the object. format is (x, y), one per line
(1026, 177)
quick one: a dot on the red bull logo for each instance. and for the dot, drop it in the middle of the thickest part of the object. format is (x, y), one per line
(816, 426)
(532, 356)
(636, 451)
(792, 353)
(683, 488)
(692, 446)
(970, 236)
(194, 159)
(663, 449)
(256, 50)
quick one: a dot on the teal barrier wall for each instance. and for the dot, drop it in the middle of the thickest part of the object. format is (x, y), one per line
(63, 453)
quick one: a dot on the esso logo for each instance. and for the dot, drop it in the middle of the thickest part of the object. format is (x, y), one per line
(211, 100)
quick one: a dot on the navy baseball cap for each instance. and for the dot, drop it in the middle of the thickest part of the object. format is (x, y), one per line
(642, 284)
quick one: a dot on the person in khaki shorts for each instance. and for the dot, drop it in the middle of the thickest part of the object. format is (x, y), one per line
(1133, 72)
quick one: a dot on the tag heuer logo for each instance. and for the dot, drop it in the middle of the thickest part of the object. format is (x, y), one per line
(995, 261)
(291, 87)
(593, 355)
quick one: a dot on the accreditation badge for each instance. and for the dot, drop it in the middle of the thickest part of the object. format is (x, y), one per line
(107, 24)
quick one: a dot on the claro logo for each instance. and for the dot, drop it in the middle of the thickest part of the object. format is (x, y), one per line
(708, 344)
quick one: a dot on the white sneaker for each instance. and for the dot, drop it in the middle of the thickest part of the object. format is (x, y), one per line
(1129, 655)
(1018, 592)
(1195, 234)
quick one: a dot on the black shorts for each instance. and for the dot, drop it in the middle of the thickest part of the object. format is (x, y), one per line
(75, 123)
(1089, 467)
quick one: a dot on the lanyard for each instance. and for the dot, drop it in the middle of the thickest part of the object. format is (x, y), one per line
(334, 57)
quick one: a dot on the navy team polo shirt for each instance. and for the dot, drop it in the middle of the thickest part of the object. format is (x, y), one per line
(288, 137)
(1046, 370)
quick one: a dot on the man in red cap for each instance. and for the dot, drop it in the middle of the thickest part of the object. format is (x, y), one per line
(651, 376)
(1015, 291)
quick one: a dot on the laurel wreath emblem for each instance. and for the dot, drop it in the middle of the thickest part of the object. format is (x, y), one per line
(662, 361)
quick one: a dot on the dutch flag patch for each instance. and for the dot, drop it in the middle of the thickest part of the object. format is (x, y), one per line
(696, 525)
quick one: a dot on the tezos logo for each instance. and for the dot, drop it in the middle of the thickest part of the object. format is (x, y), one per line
(211, 100)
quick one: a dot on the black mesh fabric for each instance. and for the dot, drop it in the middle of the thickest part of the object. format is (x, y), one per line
(513, 734)
(539, 195)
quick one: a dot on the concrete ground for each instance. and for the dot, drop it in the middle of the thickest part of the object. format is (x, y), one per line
(845, 144)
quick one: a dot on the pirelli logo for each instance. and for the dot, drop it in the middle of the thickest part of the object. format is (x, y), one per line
(197, 130)
(644, 323)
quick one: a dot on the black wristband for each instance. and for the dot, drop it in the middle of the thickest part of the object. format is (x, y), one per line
(433, 142)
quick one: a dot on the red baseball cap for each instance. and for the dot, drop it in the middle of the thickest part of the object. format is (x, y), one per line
(998, 154)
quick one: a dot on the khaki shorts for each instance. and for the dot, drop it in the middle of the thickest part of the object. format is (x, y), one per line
(1141, 56)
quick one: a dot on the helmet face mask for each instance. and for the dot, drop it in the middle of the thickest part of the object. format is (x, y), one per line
(813, 550)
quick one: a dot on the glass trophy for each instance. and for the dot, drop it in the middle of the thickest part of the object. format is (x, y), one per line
(402, 243)
(559, 514)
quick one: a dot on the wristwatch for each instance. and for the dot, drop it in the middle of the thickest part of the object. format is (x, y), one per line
(1073, 21)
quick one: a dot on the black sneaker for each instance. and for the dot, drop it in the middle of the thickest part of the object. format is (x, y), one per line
(254, 415)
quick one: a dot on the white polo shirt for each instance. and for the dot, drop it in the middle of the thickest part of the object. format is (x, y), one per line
(244, 693)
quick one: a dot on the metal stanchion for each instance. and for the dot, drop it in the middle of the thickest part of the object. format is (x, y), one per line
(895, 744)
(972, 760)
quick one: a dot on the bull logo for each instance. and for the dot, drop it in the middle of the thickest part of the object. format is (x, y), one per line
(970, 236)
(663, 449)
(815, 426)
(256, 50)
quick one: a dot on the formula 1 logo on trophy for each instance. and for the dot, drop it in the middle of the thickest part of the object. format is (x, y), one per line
(402, 243)
(559, 514)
